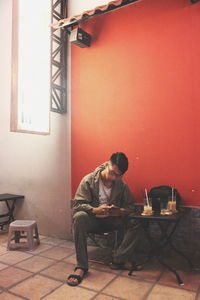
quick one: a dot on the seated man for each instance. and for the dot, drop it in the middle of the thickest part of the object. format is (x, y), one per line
(95, 198)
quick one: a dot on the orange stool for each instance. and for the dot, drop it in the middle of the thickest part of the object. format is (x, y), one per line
(16, 232)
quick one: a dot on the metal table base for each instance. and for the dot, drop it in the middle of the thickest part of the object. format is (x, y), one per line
(167, 226)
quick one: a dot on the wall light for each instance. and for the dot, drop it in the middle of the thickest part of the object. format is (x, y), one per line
(80, 38)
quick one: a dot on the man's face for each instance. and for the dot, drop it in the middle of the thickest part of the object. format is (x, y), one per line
(113, 172)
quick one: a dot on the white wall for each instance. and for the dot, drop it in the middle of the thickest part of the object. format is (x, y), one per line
(76, 7)
(36, 166)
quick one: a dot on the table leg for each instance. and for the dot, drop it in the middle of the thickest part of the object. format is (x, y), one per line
(179, 280)
(169, 242)
(10, 210)
(157, 247)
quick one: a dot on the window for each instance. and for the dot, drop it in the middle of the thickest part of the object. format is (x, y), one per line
(31, 40)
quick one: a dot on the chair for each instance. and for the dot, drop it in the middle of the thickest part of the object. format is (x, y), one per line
(16, 233)
(104, 239)
(107, 244)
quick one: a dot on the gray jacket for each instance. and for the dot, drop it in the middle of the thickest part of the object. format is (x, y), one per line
(87, 194)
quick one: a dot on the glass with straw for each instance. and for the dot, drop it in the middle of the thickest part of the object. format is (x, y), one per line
(172, 202)
(147, 205)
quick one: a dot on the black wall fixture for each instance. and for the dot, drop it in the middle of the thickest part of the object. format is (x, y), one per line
(194, 1)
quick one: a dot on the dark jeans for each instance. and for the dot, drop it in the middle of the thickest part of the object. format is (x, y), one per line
(84, 223)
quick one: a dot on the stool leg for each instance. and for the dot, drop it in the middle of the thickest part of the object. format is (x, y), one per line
(30, 238)
(37, 235)
(17, 236)
(9, 238)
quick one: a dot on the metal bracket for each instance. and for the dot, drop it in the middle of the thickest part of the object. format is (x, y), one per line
(59, 39)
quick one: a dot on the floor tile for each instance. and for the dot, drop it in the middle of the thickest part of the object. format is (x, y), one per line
(3, 236)
(128, 288)
(52, 241)
(97, 280)
(35, 263)
(60, 271)
(35, 287)
(105, 297)
(71, 259)
(4, 244)
(57, 253)
(8, 296)
(170, 293)
(13, 257)
(191, 279)
(2, 266)
(73, 293)
(3, 250)
(67, 244)
(50, 283)
(40, 248)
(12, 275)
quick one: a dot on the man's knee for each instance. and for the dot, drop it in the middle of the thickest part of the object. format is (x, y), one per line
(80, 218)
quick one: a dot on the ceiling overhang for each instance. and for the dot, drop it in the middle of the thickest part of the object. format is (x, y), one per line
(99, 10)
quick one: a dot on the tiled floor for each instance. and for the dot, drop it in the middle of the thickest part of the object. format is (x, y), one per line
(41, 274)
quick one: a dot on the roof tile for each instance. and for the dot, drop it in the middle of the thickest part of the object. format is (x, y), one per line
(74, 20)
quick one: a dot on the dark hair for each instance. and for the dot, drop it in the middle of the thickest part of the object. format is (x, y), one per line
(119, 159)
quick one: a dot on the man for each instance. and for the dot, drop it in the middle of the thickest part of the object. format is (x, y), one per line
(103, 202)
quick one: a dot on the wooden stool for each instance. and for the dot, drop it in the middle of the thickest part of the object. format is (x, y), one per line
(16, 230)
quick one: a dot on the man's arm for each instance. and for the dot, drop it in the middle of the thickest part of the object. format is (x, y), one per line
(128, 200)
(85, 200)
(128, 205)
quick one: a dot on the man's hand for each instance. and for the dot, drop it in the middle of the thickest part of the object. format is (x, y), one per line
(101, 210)
(112, 210)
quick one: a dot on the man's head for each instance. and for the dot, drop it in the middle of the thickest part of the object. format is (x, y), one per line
(117, 166)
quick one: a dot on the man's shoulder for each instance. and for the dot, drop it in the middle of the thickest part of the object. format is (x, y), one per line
(94, 175)
(88, 177)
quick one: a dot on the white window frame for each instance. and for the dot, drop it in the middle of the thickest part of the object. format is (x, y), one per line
(31, 123)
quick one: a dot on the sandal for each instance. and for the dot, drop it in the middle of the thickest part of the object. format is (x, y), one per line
(79, 278)
(122, 266)
(118, 266)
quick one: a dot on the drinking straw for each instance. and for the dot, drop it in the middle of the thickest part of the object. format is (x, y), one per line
(147, 197)
(172, 195)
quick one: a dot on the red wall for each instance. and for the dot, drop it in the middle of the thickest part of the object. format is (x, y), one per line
(136, 90)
